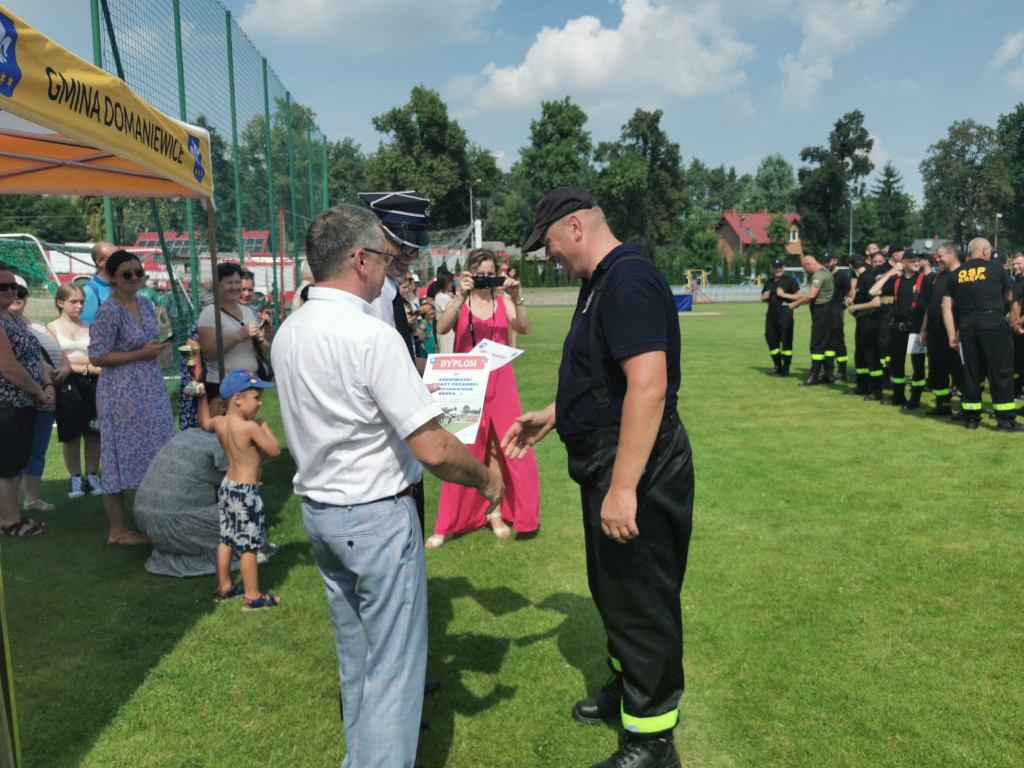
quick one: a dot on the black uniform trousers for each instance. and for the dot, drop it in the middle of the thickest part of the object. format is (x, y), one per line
(883, 316)
(778, 330)
(945, 370)
(866, 357)
(988, 349)
(836, 339)
(821, 329)
(636, 585)
(898, 360)
(1018, 363)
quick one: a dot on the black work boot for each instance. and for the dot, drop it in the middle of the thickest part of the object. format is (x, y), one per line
(643, 752)
(899, 396)
(862, 386)
(826, 371)
(876, 390)
(915, 399)
(942, 407)
(777, 370)
(841, 371)
(786, 360)
(1009, 425)
(814, 377)
(607, 705)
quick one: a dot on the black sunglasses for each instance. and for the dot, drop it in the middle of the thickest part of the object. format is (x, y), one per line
(9, 286)
(22, 292)
(127, 274)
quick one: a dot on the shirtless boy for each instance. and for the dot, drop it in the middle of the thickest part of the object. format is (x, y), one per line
(244, 439)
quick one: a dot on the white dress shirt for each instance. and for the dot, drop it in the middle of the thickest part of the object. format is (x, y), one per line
(349, 395)
(383, 306)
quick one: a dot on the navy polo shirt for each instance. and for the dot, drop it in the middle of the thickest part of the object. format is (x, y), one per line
(636, 314)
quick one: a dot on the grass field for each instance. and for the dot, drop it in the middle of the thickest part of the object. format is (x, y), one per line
(854, 598)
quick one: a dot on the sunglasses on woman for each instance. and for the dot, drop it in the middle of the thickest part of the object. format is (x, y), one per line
(9, 286)
(22, 292)
(129, 273)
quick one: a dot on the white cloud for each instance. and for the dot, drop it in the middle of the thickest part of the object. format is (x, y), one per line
(1011, 51)
(1011, 48)
(657, 53)
(366, 26)
(832, 29)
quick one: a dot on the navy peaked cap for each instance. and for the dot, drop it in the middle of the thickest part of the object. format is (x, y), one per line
(405, 216)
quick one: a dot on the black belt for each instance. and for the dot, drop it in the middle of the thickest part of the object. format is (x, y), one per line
(409, 490)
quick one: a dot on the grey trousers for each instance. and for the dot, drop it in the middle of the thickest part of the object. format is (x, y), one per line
(371, 559)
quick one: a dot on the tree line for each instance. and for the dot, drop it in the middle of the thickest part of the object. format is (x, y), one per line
(648, 192)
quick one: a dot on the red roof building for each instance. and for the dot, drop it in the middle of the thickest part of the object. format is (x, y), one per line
(752, 228)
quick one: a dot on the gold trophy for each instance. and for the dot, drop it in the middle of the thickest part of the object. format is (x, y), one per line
(194, 363)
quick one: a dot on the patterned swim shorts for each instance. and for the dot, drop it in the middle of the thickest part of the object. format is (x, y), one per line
(242, 523)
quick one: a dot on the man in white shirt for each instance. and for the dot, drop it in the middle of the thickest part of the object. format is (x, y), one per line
(360, 423)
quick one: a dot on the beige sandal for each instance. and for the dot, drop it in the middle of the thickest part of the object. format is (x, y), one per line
(503, 531)
(435, 541)
(38, 505)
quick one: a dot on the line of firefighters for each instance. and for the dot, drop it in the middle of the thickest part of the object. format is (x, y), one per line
(970, 312)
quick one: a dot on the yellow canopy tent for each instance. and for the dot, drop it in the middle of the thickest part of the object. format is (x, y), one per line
(85, 132)
(69, 128)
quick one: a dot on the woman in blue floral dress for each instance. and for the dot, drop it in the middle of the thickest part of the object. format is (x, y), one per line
(132, 404)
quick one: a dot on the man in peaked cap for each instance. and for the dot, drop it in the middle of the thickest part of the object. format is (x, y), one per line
(616, 412)
(405, 218)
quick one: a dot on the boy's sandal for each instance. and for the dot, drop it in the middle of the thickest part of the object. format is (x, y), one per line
(434, 541)
(24, 527)
(502, 531)
(266, 600)
(38, 505)
(237, 590)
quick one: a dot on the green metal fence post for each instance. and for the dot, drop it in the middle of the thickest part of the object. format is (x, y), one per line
(234, 141)
(270, 189)
(309, 153)
(291, 180)
(190, 223)
(325, 172)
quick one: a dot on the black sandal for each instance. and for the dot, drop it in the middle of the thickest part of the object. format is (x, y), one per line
(24, 527)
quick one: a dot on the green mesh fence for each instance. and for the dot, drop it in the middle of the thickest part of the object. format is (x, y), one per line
(25, 258)
(190, 59)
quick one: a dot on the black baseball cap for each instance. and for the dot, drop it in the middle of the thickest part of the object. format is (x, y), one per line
(827, 256)
(778, 263)
(405, 216)
(911, 254)
(557, 203)
(896, 248)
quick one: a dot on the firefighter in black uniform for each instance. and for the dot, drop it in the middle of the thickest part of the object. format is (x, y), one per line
(616, 412)
(1017, 324)
(842, 297)
(909, 304)
(779, 291)
(974, 315)
(818, 296)
(945, 370)
(890, 267)
(866, 359)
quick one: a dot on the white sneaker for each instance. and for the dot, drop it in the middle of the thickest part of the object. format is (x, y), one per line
(75, 488)
(93, 483)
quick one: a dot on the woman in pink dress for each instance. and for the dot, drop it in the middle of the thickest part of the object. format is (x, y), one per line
(478, 314)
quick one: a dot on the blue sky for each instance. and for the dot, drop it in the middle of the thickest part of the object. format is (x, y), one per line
(736, 79)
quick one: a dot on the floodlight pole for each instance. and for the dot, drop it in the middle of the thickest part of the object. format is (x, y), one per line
(472, 219)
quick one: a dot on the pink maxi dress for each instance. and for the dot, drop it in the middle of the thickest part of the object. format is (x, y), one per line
(462, 509)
